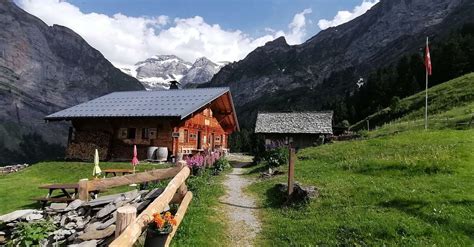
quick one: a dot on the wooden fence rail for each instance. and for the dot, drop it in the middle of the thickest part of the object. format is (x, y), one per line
(133, 231)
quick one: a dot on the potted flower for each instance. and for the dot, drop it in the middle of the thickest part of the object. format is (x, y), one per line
(159, 229)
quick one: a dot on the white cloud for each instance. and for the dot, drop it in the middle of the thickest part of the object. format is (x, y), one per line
(344, 16)
(125, 40)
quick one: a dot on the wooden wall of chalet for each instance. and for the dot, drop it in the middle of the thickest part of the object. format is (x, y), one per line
(109, 136)
(211, 132)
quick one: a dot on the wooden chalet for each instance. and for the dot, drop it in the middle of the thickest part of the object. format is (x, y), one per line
(184, 121)
(296, 129)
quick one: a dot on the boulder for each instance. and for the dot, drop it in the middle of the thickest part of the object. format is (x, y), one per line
(15, 215)
(108, 209)
(300, 193)
(97, 234)
(58, 207)
(90, 243)
(74, 205)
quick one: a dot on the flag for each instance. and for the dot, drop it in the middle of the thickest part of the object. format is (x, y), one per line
(428, 58)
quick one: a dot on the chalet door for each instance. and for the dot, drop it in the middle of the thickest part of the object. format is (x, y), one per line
(199, 140)
(212, 141)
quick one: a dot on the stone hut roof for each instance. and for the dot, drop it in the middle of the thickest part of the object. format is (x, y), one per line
(295, 123)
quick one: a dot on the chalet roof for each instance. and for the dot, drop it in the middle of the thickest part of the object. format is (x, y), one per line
(165, 103)
(295, 123)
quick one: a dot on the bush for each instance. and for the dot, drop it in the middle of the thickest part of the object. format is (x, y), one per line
(220, 165)
(31, 234)
(277, 157)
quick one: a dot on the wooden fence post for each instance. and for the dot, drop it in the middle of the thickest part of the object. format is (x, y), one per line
(291, 171)
(83, 189)
(125, 216)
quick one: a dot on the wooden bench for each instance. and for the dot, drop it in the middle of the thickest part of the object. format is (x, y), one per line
(117, 171)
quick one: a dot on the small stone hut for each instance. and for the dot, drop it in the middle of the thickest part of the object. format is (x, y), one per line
(184, 121)
(298, 129)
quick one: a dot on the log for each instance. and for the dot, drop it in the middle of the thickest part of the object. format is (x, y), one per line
(125, 216)
(158, 174)
(134, 230)
(180, 215)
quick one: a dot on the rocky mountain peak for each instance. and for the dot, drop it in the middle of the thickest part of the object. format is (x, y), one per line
(44, 69)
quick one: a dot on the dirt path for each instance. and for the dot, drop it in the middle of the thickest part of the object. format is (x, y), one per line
(240, 209)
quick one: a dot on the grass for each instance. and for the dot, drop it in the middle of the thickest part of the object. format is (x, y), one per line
(449, 104)
(410, 189)
(18, 189)
(204, 224)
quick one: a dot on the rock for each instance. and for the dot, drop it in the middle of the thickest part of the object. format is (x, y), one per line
(71, 225)
(108, 209)
(300, 193)
(153, 194)
(97, 234)
(63, 220)
(32, 217)
(90, 243)
(74, 205)
(2, 233)
(58, 207)
(16, 215)
(109, 222)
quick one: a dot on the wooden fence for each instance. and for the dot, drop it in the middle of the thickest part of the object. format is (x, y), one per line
(129, 227)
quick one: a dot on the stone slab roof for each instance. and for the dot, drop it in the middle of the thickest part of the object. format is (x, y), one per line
(165, 103)
(295, 123)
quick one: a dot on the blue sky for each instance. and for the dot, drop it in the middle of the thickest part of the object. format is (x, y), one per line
(127, 31)
(250, 16)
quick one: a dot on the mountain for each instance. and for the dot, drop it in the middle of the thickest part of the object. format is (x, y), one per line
(202, 71)
(156, 72)
(44, 69)
(391, 29)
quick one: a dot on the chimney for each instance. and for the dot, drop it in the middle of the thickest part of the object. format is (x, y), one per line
(174, 84)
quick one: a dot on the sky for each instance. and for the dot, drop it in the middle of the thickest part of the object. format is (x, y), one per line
(129, 31)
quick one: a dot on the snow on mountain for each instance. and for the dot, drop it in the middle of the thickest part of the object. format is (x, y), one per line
(156, 72)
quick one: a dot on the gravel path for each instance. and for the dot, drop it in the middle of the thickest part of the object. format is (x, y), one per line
(240, 209)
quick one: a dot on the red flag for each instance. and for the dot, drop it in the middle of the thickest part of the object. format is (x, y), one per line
(428, 58)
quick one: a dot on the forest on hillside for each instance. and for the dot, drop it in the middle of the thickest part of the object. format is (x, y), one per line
(451, 57)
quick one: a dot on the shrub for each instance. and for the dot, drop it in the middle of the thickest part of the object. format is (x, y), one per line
(220, 165)
(277, 157)
(30, 234)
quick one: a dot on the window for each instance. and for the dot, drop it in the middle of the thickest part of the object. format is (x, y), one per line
(131, 133)
(145, 134)
(186, 137)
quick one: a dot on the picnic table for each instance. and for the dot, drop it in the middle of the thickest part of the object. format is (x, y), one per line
(68, 193)
(117, 171)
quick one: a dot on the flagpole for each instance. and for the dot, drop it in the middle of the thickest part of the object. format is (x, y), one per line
(426, 93)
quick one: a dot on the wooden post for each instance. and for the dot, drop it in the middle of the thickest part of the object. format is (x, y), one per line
(125, 216)
(83, 189)
(291, 171)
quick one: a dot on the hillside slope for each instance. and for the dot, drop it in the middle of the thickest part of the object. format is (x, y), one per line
(410, 189)
(451, 103)
(44, 69)
(391, 29)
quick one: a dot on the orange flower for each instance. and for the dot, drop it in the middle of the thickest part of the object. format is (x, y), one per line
(159, 222)
(173, 222)
(168, 216)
